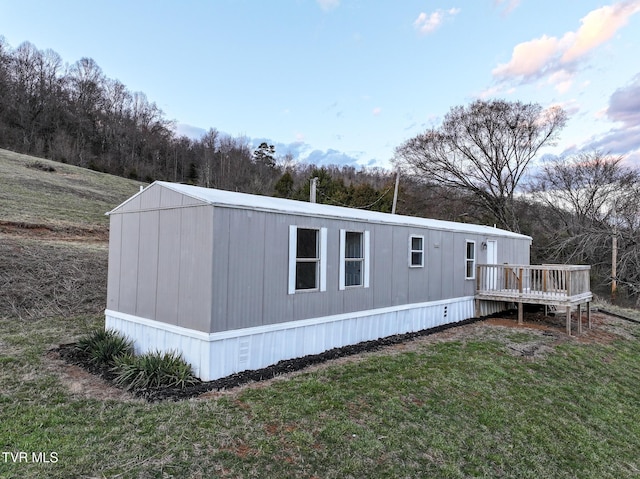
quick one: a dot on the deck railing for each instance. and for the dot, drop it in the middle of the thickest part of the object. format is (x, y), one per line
(544, 284)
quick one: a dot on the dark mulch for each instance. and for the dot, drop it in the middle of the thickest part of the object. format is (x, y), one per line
(71, 355)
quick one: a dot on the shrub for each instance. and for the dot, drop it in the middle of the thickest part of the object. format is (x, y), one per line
(103, 347)
(153, 370)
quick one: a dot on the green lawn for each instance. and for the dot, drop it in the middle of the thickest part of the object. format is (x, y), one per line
(467, 407)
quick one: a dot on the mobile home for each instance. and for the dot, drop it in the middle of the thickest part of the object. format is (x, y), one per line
(236, 281)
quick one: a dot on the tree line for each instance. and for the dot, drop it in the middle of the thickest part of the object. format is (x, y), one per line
(480, 165)
(76, 114)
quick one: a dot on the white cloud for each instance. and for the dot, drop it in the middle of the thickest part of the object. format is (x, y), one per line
(571, 107)
(598, 26)
(529, 58)
(327, 5)
(429, 22)
(190, 131)
(509, 5)
(562, 81)
(496, 91)
(376, 111)
(558, 57)
(624, 138)
(332, 157)
(624, 104)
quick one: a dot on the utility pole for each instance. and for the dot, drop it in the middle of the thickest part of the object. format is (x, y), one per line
(614, 254)
(614, 261)
(312, 192)
(395, 193)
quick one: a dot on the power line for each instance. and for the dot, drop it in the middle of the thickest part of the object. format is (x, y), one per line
(338, 203)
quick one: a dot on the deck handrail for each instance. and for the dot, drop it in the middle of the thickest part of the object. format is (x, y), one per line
(554, 283)
(566, 267)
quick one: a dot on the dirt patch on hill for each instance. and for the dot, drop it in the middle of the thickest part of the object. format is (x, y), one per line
(54, 232)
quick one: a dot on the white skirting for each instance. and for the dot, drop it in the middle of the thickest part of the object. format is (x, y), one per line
(217, 355)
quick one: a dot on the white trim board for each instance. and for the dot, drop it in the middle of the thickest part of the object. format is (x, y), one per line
(216, 355)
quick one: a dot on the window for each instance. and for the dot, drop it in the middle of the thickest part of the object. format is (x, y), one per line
(354, 259)
(307, 259)
(416, 251)
(471, 260)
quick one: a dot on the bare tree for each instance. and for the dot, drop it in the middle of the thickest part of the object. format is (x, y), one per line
(209, 146)
(593, 197)
(484, 149)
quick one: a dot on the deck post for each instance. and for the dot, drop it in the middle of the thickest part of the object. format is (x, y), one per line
(520, 313)
(520, 280)
(477, 315)
(589, 314)
(569, 320)
(579, 318)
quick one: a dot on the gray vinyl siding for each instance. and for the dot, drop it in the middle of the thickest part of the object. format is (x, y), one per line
(396, 264)
(147, 277)
(129, 264)
(113, 270)
(251, 268)
(160, 259)
(381, 265)
(168, 266)
(246, 269)
(275, 267)
(195, 280)
(181, 261)
(434, 262)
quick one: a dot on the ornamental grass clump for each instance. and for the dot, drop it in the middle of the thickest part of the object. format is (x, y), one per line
(103, 347)
(153, 370)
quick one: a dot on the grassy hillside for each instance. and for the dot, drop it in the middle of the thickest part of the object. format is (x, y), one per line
(36, 191)
(488, 399)
(53, 236)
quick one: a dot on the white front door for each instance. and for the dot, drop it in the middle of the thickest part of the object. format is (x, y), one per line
(492, 258)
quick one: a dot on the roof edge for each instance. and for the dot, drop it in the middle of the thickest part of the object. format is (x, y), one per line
(347, 213)
(131, 198)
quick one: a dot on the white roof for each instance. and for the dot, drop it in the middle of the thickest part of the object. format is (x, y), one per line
(233, 199)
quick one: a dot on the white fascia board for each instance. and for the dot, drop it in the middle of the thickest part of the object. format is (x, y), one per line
(130, 199)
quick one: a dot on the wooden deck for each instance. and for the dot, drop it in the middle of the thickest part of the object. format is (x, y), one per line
(562, 286)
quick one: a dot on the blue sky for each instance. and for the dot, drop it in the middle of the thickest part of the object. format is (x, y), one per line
(347, 81)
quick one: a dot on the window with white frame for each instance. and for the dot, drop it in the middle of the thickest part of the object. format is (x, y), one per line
(416, 251)
(470, 262)
(354, 259)
(307, 259)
